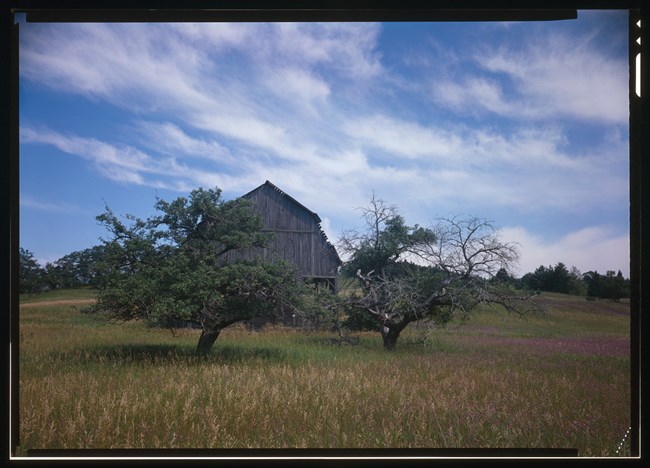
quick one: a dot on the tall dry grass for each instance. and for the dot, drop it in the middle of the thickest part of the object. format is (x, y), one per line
(497, 382)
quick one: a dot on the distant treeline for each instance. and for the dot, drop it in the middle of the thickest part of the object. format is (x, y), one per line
(81, 268)
(611, 285)
(86, 268)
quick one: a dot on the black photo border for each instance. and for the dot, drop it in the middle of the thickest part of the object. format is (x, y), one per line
(246, 10)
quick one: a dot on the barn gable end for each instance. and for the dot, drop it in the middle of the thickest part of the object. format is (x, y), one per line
(298, 236)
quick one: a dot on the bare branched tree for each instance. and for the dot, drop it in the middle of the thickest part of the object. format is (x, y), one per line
(406, 274)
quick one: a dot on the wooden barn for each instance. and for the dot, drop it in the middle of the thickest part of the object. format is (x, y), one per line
(298, 237)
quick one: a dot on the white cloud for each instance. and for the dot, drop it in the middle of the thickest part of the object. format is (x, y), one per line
(593, 248)
(124, 163)
(306, 106)
(529, 168)
(244, 82)
(539, 146)
(130, 63)
(298, 88)
(581, 84)
(403, 138)
(471, 95)
(348, 47)
(218, 37)
(116, 63)
(166, 137)
(27, 201)
(149, 69)
(548, 76)
(121, 164)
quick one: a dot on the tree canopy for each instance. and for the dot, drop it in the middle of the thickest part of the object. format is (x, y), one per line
(612, 285)
(171, 266)
(30, 274)
(414, 273)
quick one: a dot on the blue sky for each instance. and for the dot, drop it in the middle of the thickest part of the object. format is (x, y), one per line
(525, 124)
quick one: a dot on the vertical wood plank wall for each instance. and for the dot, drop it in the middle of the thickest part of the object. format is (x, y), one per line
(298, 235)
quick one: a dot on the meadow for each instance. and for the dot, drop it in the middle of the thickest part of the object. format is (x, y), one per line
(561, 380)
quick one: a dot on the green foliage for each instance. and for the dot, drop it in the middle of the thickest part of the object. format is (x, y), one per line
(382, 247)
(31, 276)
(438, 274)
(359, 320)
(80, 268)
(173, 267)
(552, 279)
(611, 285)
(560, 280)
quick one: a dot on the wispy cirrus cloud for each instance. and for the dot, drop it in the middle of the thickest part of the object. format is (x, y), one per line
(316, 109)
(61, 207)
(169, 138)
(554, 76)
(195, 64)
(122, 163)
(493, 167)
(403, 138)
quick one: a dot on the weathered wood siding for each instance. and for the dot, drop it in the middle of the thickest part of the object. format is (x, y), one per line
(298, 236)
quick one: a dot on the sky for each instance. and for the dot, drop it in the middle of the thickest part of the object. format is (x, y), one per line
(521, 123)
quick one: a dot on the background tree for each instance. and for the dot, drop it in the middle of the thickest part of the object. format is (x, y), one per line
(504, 278)
(408, 273)
(31, 275)
(560, 279)
(80, 268)
(540, 280)
(577, 286)
(171, 267)
(611, 285)
(377, 259)
(621, 286)
(557, 279)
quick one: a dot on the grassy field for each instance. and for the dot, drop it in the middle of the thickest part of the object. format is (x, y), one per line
(558, 380)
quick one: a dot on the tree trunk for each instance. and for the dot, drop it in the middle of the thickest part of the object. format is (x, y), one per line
(390, 336)
(206, 340)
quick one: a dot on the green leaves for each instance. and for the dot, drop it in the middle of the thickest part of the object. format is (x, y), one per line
(439, 274)
(171, 266)
(386, 243)
(31, 275)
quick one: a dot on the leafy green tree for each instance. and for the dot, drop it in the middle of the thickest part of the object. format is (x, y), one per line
(621, 286)
(595, 283)
(80, 268)
(555, 279)
(614, 286)
(173, 266)
(611, 285)
(540, 279)
(504, 278)
(527, 282)
(31, 275)
(406, 274)
(577, 286)
(560, 279)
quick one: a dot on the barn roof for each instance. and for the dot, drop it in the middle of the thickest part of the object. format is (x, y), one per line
(287, 196)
